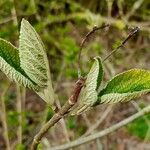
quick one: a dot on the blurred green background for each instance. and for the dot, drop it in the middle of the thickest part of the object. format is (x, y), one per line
(62, 24)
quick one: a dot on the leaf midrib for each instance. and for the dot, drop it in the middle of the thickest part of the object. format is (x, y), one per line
(15, 66)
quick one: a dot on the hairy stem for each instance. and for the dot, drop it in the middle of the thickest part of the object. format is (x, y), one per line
(61, 113)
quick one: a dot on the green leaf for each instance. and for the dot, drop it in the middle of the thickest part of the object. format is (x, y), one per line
(33, 60)
(88, 95)
(126, 86)
(10, 65)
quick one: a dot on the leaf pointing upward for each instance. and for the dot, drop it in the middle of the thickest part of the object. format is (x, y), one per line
(34, 60)
(89, 95)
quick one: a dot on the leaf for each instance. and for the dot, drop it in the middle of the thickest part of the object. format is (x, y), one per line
(10, 65)
(88, 95)
(33, 60)
(126, 86)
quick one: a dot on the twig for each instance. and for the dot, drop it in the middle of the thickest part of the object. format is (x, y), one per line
(57, 116)
(136, 6)
(133, 32)
(59, 77)
(14, 14)
(104, 132)
(98, 142)
(95, 28)
(19, 110)
(109, 7)
(18, 89)
(63, 124)
(99, 121)
(6, 20)
(62, 121)
(119, 4)
(4, 118)
(87, 121)
(23, 97)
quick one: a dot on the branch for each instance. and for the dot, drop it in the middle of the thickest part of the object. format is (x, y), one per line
(136, 6)
(104, 132)
(132, 33)
(95, 28)
(61, 113)
(99, 121)
(98, 142)
(63, 124)
(14, 14)
(4, 118)
(19, 110)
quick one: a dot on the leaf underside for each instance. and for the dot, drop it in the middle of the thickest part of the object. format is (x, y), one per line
(31, 52)
(34, 60)
(28, 66)
(88, 94)
(126, 86)
(10, 65)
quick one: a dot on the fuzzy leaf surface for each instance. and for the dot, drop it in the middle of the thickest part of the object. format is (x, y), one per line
(88, 95)
(33, 60)
(126, 86)
(10, 65)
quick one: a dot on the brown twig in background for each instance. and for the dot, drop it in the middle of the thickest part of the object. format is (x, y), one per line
(136, 6)
(18, 88)
(98, 122)
(95, 28)
(109, 7)
(14, 14)
(97, 141)
(133, 32)
(19, 110)
(62, 112)
(102, 133)
(4, 118)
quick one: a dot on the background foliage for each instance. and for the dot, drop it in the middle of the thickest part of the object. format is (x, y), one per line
(62, 24)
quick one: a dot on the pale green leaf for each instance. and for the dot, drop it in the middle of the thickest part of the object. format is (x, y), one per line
(126, 86)
(88, 95)
(10, 65)
(33, 60)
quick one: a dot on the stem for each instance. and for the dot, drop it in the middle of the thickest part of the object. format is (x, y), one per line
(98, 122)
(97, 141)
(63, 124)
(19, 110)
(49, 124)
(136, 6)
(61, 113)
(95, 28)
(18, 89)
(133, 32)
(4, 118)
(14, 14)
(104, 132)
(23, 98)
